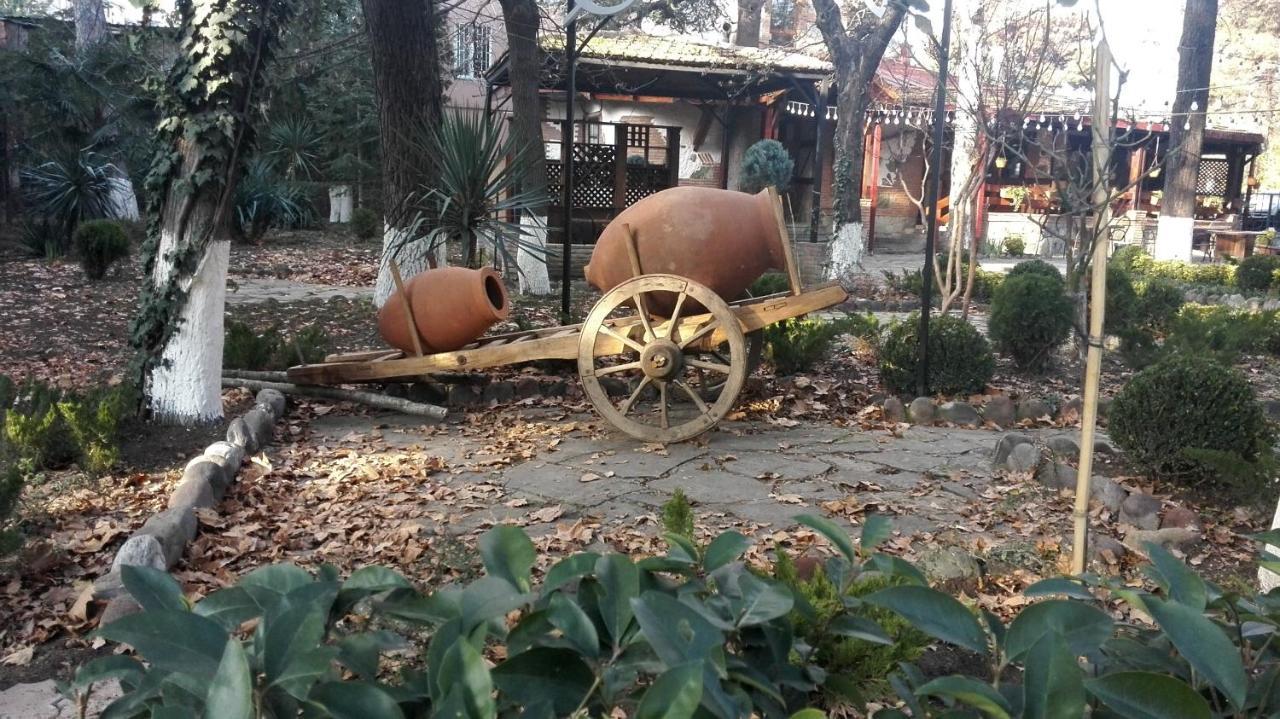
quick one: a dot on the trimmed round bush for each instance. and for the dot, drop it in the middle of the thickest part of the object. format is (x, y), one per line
(365, 223)
(766, 164)
(960, 359)
(1159, 302)
(1256, 273)
(99, 244)
(1030, 317)
(1035, 267)
(1122, 301)
(1126, 257)
(1173, 416)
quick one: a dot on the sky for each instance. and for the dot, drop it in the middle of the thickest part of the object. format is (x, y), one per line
(1144, 40)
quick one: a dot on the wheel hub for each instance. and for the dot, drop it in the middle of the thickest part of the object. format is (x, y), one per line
(662, 359)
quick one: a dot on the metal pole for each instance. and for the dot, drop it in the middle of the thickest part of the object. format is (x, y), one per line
(1100, 144)
(815, 213)
(566, 147)
(935, 190)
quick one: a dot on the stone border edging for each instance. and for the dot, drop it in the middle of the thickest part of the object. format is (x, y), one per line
(161, 540)
(1233, 300)
(999, 410)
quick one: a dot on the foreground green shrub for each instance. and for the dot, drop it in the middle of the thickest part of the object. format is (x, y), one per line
(1196, 273)
(365, 223)
(1126, 257)
(245, 349)
(1221, 333)
(796, 345)
(12, 479)
(1030, 318)
(35, 430)
(1035, 267)
(1256, 273)
(695, 631)
(960, 360)
(46, 428)
(1175, 419)
(100, 244)
(770, 283)
(94, 424)
(1159, 301)
(1122, 301)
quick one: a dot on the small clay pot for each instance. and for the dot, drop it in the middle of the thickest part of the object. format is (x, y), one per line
(451, 305)
(719, 238)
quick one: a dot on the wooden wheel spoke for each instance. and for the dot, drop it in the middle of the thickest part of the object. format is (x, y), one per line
(643, 307)
(614, 369)
(673, 331)
(606, 329)
(662, 406)
(630, 402)
(711, 366)
(702, 405)
(705, 330)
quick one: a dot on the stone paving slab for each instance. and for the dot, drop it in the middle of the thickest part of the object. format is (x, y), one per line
(252, 290)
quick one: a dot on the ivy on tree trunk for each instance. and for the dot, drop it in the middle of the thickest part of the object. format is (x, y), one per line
(224, 48)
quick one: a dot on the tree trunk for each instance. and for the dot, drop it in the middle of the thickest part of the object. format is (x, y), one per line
(178, 328)
(747, 33)
(521, 20)
(91, 24)
(1186, 134)
(406, 79)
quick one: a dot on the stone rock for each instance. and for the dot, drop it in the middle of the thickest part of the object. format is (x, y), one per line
(118, 608)
(1006, 445)
(614, 387)
(1141, 510)
(1000, 411)
(1033, 409)
(1272, 409)
(527, 387)
(206, 470)
(1254, 304)
(110, 585)
(1179, 516)
(1106, 549)
(499, 392)
(194, 492)
(1070, 411)
(922, 411)
(960, 413)
(558, 388)
(894, 410)
(238, 434)
(261, 424)
(1023, 458)
(1176, 537)
(174, 528)
(228, 456)
(463, 395)
(1063, 446)
(1056, 476)
(140, 550)
(945, 564)
(1237, 301)
(1108, 492)
(273, 400)
(1101, 446)
(1104, 407)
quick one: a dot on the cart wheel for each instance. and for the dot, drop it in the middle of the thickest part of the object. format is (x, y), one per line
(680, 385)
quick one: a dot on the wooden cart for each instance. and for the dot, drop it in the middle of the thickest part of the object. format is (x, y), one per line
(657, 378)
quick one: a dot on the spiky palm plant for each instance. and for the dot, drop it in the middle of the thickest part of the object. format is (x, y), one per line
(482, 179)
(264, 199)
(293, 143)
(68, 190)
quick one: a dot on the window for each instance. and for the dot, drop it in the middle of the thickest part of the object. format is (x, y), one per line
(471, 50)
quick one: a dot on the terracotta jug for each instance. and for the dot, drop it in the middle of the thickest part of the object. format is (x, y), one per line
(720, 238)
(451, 305)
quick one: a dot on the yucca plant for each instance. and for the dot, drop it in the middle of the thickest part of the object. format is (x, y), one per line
(483, 177)
(293, 143)
(69, 190)
(264, 199)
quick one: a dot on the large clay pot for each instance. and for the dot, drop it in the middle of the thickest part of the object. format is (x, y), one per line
(451, 305)
(719, 238)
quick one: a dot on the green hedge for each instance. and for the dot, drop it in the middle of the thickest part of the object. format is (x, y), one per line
(960, 359)
(1030, 318)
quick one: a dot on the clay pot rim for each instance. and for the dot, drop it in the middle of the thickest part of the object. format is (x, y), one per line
(491, 293)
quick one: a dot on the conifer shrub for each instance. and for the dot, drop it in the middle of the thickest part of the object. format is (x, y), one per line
(960, 359)
(365, 223)
(1030, 318)
(1035, 267)
(100, 244)
(1188, 417)
(1256, 273)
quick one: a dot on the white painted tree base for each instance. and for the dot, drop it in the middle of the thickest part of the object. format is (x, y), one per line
(1173, 238)
(340, 204)
(1267, 579)
(531, 262)
(412, 258)
(187, 388)
(124, 202)
(846, 251)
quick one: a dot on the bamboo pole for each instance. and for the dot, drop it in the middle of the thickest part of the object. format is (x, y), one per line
(372, 399)
(1101, 145)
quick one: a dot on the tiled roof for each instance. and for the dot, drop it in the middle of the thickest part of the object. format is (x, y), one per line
(682, 52)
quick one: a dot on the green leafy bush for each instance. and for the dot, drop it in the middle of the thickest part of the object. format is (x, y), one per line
(693, 631)
(94, 424)
(245, 349)
(34, 428)
(100, 244)
(1122, 301)
(1035, 267)
(1185, 403)
(1256, 273)
(1221, 333)
(365, 223)
(796, 345)
(12, 479)
(1015, 246)
(1064, 655)
(1030, 318)
(1196, 273)
(1159, 301)
(46, 428)
(766, 164)
(960, 359)
(1125, 257)
(770, 283)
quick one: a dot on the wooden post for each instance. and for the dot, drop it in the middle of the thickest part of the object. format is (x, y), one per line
(873, 185)
(619, 167)
(673, 156)
(793, 272)
(408, 307)
(1101, 145)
